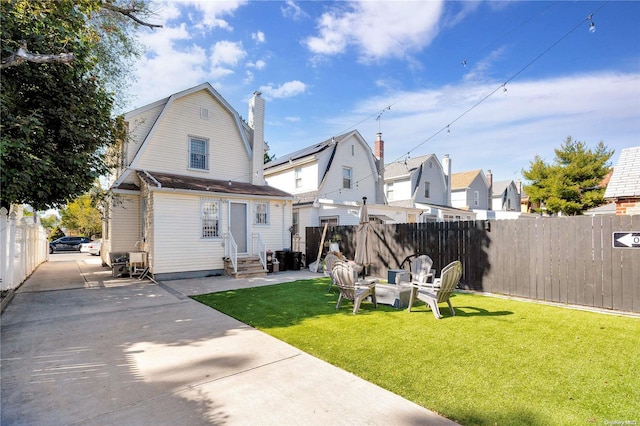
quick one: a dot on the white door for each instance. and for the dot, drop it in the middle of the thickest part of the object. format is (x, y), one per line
(238, 224)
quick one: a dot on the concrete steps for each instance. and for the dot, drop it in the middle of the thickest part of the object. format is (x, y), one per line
(248, 267)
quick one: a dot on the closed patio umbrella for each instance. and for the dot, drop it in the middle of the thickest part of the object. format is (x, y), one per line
(363, 239)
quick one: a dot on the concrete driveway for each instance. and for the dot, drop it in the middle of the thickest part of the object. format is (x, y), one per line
(82, 348)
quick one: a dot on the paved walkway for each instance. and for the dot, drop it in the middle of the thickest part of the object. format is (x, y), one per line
(82, 348)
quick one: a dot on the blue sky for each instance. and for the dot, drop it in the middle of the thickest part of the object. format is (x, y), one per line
(429, 75)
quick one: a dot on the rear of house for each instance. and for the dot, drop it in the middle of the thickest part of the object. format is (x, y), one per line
(190, 188)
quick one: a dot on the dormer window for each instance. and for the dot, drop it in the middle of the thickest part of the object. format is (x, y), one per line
(198, 153)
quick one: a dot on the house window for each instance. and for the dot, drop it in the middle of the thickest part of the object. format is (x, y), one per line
(210, 218)
(427, 190)
(204, 113)
(329, 220)
(353, 150)
(346, 177)
(390, 191)
(509, 204)
(298, 177)
(476, 198)
(262, 213)
(295, 221)
(198, 153)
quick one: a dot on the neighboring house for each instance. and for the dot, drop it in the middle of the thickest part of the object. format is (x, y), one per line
(190, 178)
(470, 190)
(329, 180)
(505, 196)
(624, 185)
(423, 183)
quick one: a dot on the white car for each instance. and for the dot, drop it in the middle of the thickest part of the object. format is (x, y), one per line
(92, 247)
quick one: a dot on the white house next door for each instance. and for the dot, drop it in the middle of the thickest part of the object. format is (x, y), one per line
(238, 224)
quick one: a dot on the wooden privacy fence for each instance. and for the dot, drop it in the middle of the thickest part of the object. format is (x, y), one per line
(563, 259)
(23, 246)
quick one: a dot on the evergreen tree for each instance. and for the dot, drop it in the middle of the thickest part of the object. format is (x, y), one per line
(571, 184)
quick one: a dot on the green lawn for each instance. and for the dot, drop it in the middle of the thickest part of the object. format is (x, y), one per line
(497, 361)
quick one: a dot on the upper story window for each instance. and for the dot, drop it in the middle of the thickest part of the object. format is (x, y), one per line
(353, 150)
(262, 213)
(209, 218)
(427, 190)
(204, 113)
(198, 153)
(346, 177)
(295, 221)
(476, 198)
(298, 177)
(390, 191)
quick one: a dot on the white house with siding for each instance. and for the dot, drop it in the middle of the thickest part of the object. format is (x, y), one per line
(329, 180)
(190, 189)
(505, 196)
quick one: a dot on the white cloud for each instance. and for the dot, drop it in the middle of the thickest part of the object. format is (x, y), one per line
(214, 11)
(227, 53)
(285, 90)
(259, 64)
(504, 132)
(258, 37)
(293, 11)
(292, 119)
(377, 29)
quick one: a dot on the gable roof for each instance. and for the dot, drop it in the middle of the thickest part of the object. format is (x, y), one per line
(243, 128)
(189, 183)
(499, 187)
(463, 180)
(309, 151)
(403, 168)
(625, 180)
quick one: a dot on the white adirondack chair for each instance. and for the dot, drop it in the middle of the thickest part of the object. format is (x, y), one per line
(440, 290)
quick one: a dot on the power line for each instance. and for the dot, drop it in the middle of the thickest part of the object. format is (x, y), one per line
(484, 98)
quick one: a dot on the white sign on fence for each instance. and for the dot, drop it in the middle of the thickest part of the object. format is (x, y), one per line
(626, 239)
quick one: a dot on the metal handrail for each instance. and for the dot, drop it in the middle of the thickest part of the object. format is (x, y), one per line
(231, 250)
(260, 250)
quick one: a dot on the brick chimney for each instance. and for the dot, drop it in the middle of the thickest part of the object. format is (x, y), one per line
(256, 122)
(378, 152)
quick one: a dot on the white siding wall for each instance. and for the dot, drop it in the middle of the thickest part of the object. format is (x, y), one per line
(459, 198)
(125, 212)
(177, 243)
(286, 180)
(168, 151)
(139, 126)
(364, 173)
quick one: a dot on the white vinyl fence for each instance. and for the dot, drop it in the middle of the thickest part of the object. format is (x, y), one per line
(23, 246)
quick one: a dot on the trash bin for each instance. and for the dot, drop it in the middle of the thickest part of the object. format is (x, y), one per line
(269, 261)
(295, 260)
(281, 255)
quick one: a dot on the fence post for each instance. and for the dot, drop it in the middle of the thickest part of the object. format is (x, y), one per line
(4, 259)
(11, 251)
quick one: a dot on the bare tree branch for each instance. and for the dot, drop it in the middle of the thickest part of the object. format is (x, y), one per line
(23, 55)
(129, 12)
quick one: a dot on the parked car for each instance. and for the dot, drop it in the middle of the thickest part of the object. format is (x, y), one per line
(92, 247)
(67, 244)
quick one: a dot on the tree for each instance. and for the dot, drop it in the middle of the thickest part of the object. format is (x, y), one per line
(62, 65)
(49, 222)
(82, 216)
(572, 184)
